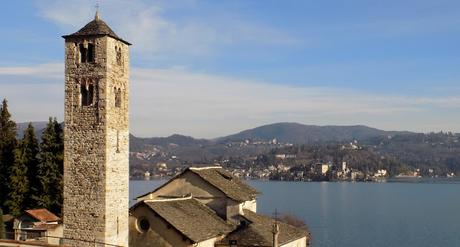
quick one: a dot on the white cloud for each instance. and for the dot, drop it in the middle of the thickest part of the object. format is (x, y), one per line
(166, 101)
(32, 101)
(170, 101)
(156, 36)
(177, 101)
(48, 70)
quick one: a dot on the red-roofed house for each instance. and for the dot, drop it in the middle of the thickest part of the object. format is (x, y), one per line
(38, 225)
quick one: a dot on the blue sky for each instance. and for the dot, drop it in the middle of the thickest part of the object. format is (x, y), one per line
(211, 68)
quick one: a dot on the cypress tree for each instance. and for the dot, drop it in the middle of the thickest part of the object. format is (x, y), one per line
(2, 226)
(18, 183)
(29, 158)
(58, 191)
(8, 143)
(51, 168)
(59, 146)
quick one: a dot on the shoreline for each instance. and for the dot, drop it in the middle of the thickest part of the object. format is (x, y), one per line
(454, 180)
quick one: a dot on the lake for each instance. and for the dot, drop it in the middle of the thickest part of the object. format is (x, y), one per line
(406, 214)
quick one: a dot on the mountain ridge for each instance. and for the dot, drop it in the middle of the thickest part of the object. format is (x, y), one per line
(435, 152)
(296, 133)
(286, 132)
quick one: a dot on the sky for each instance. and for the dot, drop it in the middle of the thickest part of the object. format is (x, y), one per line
(212, 68)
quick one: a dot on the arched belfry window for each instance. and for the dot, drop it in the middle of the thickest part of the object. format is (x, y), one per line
(117, 93)
(87, 53)
(86, 92)
(90, 53)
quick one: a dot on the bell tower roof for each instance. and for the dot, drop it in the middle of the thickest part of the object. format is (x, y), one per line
(96, 27)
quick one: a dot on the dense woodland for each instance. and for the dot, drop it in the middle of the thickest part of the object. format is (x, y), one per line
(30, 169)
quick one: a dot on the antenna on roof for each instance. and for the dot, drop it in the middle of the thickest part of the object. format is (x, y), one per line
(275, 230)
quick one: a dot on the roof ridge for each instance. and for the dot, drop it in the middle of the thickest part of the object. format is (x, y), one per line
(205, 168)
(186, 197)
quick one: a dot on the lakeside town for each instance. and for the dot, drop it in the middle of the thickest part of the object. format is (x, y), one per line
(306, 173)
(282, 166)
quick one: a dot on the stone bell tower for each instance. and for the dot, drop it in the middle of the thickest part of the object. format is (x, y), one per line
(96, 172)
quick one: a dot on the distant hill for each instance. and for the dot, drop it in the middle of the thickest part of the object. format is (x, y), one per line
(38, 126)
(306, 134)
(137, 143)
(294, 133)
(284, 132)
(437, 151)
(190, 149)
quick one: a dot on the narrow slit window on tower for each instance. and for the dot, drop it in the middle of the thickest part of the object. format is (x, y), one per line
(118, 51)
(90, 53)
(117, 97)
(86, 94)
(118, 141)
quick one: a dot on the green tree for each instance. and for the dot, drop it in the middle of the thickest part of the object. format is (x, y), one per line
(8, 143)
(18, 183)
(29, 157)
(51, 168)
(2, 226)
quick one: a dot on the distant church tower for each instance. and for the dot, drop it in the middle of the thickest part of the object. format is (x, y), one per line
(96, 172)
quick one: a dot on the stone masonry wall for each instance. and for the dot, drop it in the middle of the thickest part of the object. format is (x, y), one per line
(117, 148)
(95, 165)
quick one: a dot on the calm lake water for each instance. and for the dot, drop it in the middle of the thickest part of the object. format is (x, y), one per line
(362, 214)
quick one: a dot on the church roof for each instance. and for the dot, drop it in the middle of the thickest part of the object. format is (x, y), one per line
(222, 180)
(258, 232)
(191, 218)
(96, 27)
(226, 182)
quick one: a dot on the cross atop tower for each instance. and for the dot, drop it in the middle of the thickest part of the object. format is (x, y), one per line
(97, 17)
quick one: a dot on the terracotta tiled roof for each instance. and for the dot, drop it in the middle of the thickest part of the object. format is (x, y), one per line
(94, 28)
(42, 215)
(194, 220)
(258, 232)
